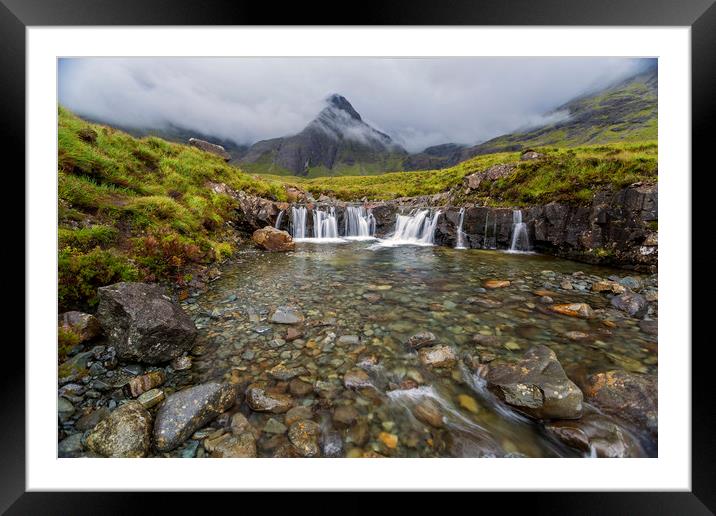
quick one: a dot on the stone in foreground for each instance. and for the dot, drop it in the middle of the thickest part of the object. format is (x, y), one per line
(261, 401)
(437, 356)
(631, 397)
(143, 324)
(186, 411)
(126, 432)
(596, 434)
(304, 436)
(272, 239)
(536, 385)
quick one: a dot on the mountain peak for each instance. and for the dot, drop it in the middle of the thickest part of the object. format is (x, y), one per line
(339, 102)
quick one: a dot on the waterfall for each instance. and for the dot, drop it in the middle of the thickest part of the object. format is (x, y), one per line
(520, 237)
(417, 228)
(460, 234)
(325, 223)
(359, 223)
(278, 220)
(298, 221)
(490, 243)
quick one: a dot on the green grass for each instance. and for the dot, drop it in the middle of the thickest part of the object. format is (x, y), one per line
(572, 175)
(142, 209)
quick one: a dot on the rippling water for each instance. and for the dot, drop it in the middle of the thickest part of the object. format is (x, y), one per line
(383, 295)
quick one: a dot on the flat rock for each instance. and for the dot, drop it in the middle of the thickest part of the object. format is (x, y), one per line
(184, 412)
(582, 310)
(259, 400)
(536, 385)
(143, 324)
(283, 373)
(437, 356)
(126, 432)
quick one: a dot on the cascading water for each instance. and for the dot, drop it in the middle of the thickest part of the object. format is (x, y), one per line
(520, 237)
(298, 221)
(359, 223)
(487, 242)
(325, 224)
(279, 217)
(460, 233)
(417, 228)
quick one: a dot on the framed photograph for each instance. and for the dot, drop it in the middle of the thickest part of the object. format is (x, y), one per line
(261, 245)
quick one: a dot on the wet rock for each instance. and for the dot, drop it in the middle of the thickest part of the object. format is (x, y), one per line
(437, 356)
(488, 340)
(274, 426)
(345, 416)
(283, 373)
(293, 334)
(181, 363)
(259, 400)
(151, 398)
(650, 327)
(184, 412)
(536, 385)
(493, 283)
(239, 424)
(140, 384)
(126, 432)
(389, 440)
(70, 446)
(631, 397)
(272, 239)
(421, 339)
(608, 286)
(91, 420)
(582, 310)
(85, 326)
(596, 433)
(356, 379)
(232, 446)
(631, 282)
(304, 435)
(468, 403)
(351, 340)
(300, 388)
(429, 412)
(286, 315)
(143, 324)
(297, 414)
(631, 303)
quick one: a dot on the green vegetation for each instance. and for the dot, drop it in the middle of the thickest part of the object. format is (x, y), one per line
(139, 209)
(570, 175)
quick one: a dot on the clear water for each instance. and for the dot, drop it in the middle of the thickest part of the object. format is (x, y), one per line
(384, 295)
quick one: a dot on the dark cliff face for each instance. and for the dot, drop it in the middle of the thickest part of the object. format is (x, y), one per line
(618, 229)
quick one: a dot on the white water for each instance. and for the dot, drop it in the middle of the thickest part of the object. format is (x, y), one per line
(359, 223)
(278, 220)
(298, 221)
(520, 237)
(417, 228)
(460, 234)
(325, 223)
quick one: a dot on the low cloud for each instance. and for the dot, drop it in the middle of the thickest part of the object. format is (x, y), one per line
(417, 101)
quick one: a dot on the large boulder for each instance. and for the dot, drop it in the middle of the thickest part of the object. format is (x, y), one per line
(186, 411)
(631, 397)
(536, 385)
(491, 174)
(272, 239)
(143, 324)
(126, 432)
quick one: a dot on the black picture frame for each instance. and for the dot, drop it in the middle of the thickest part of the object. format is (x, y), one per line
(700, 15)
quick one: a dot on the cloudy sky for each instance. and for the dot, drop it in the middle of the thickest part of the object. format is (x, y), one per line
(418, 101)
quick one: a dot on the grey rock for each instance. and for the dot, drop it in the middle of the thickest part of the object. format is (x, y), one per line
(126, 432)
(631, 303)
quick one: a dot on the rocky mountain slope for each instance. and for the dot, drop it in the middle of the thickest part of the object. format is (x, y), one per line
(626, 111)
(336, 142)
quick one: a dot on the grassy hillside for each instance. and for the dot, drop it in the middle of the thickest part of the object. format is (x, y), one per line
(138, 209)
(564, 174)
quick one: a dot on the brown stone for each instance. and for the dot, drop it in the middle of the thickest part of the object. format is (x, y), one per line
(582, 310)
(272, 239)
